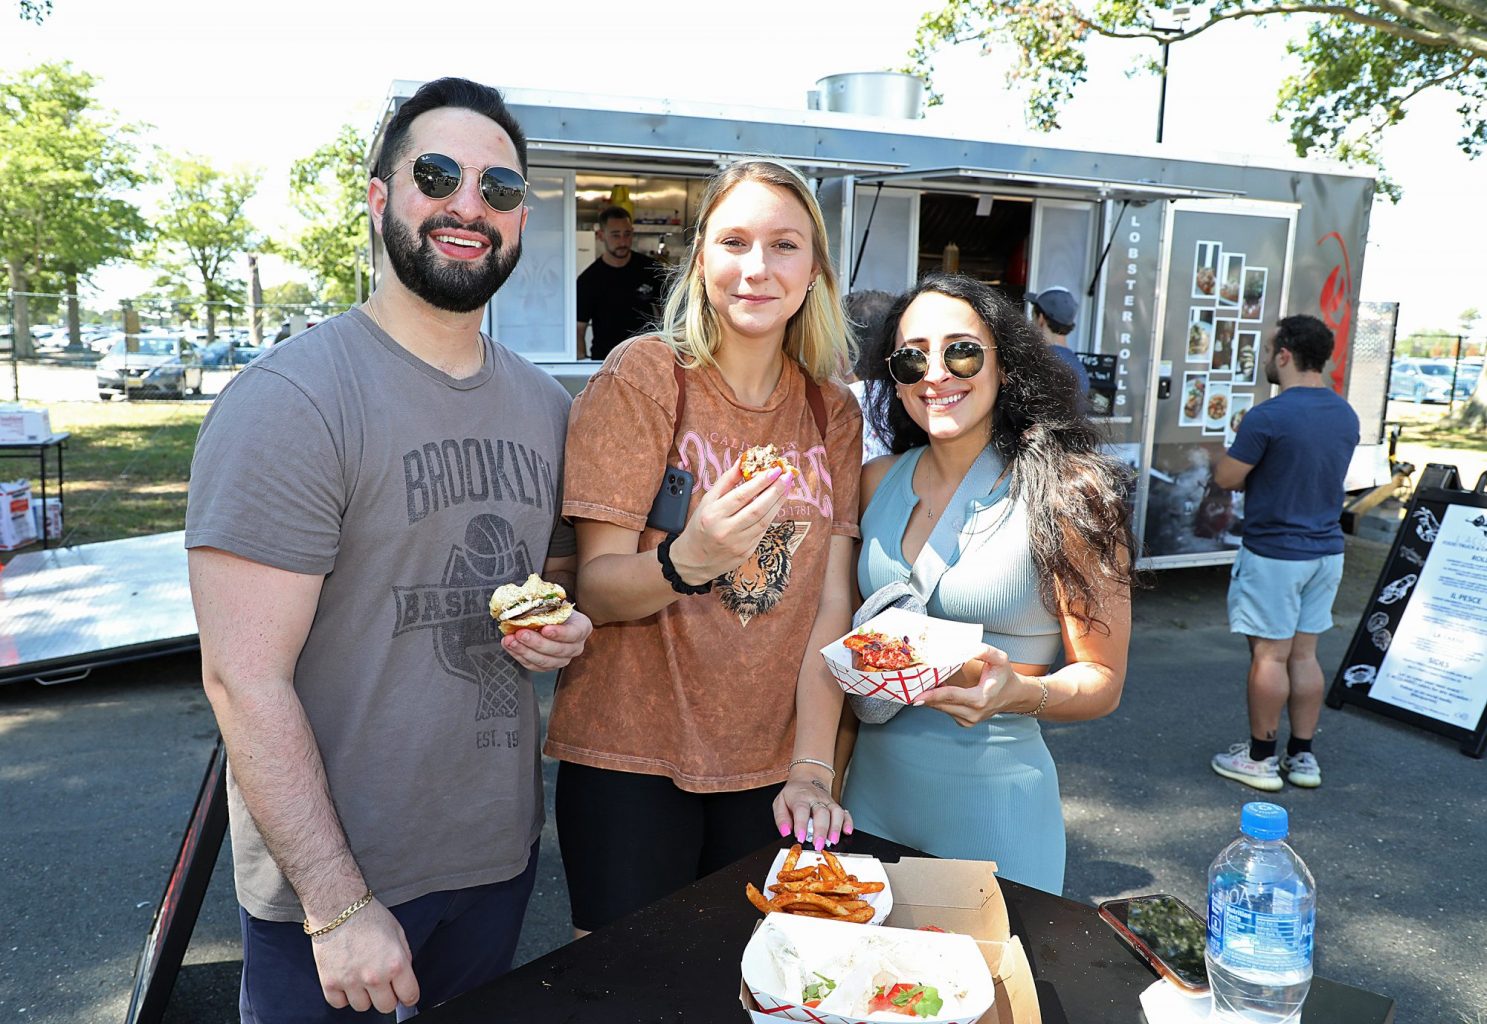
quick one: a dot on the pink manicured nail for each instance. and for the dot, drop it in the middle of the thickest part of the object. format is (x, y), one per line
(774, 474)
(847, 829)
(836, 837)
(819, 844)
(784, 829)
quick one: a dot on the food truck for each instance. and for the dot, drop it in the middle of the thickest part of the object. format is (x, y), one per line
(1182, 262)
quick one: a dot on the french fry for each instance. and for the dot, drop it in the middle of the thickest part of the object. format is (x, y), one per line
(798, 875)
(791, 859)
(757, 898)
(813, 900)
(834, 864)
(862, 916)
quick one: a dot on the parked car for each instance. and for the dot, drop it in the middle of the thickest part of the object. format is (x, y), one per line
(162, 364)
(1420, 380)
(216, 354)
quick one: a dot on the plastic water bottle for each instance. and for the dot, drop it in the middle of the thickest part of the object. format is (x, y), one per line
(1262, 909)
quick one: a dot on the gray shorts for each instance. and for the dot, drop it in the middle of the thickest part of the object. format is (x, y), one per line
(1275, 598)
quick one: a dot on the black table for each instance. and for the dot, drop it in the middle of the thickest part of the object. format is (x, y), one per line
(678, 960)
(39, 450)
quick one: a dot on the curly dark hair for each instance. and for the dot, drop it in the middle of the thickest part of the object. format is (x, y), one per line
(1075, 494)
(1308, 339)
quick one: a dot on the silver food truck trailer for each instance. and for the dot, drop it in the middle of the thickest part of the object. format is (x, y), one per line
(1182, 264)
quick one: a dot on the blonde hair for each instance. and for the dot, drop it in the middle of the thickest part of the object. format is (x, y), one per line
(816, 336)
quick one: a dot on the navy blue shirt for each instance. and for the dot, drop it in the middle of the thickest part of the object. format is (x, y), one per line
(1300, 443)
(1071, 359)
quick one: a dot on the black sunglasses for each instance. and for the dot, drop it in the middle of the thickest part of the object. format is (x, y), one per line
(438, 177)
(963, 359)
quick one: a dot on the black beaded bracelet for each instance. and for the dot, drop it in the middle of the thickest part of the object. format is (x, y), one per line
(681, 586)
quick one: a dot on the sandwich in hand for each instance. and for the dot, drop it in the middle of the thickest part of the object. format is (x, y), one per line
(763, 458)
(530, 605)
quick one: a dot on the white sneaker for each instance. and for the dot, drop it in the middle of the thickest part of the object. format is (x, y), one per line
(1302, 770)
(1236, 764)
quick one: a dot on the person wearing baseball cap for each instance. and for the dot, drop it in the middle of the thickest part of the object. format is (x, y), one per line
(1054, 312)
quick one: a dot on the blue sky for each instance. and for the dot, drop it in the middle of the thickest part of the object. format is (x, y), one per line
(261, 84)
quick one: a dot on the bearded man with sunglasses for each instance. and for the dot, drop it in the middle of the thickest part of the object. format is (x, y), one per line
(384, 792)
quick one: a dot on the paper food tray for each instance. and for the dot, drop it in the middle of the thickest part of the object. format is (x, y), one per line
(944, 646)
(866, 868)
(953, 963)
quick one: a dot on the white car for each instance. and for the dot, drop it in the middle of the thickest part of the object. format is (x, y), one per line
(161, 364)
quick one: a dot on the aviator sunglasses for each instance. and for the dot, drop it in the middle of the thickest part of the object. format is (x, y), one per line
(964, 359)
(438, 177)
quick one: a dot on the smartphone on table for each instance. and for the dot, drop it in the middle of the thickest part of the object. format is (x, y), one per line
(1166, 933)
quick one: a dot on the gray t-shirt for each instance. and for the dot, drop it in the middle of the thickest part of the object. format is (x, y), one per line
(416, 494)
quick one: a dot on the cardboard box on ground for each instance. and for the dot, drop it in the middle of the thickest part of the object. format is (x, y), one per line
(959, 896)
(17, 527)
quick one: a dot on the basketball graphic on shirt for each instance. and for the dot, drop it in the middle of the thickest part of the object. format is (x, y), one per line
(755, 587)
(470, 647)
(490, 548)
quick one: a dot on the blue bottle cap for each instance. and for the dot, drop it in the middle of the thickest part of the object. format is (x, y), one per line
(1261, 820)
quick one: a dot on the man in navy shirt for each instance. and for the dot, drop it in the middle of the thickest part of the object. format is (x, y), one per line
(1289, 457)
(1054, 312)
(620, 293)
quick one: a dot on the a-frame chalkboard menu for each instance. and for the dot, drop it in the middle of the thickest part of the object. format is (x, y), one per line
(1419, 654)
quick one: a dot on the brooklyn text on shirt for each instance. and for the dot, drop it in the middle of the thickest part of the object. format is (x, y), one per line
(708, 461)
(446, 474)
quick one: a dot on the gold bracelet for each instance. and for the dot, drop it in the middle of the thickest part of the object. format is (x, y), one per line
(341, 919)
(811, 760)
(1043, 703)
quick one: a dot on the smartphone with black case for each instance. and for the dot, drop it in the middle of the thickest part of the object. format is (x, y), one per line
(669, 510)
(1166, 933)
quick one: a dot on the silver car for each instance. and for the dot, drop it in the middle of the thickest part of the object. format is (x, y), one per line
(156, 364)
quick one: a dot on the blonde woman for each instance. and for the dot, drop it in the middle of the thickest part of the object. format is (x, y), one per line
(701, 690)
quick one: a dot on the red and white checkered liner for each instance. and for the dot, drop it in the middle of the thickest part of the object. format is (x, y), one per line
(961, 961)
(944, 646)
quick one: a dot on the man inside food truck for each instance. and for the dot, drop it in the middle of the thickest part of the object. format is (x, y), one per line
(1290, 456)
(621, 291)
(1054, 312)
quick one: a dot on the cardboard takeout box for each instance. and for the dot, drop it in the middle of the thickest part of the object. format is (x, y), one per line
(960, 896)
(942, 645)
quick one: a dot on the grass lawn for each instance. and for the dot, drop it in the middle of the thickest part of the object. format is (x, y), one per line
(126, 467)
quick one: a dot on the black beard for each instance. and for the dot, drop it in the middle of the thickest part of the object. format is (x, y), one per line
(441, 282)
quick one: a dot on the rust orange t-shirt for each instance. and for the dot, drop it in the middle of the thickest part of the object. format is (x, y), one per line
(703, 691)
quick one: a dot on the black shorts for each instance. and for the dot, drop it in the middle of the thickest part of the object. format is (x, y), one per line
(629, 839)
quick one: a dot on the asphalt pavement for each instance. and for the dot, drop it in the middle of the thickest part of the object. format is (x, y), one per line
(97, 779)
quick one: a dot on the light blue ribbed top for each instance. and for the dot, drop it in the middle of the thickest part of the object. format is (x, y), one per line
(991, 579)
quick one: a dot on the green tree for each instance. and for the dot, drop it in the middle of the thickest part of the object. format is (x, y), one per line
(35, 10)
(290, 293)
(202, 228)
(65, 166)
(328, 189)
(1362, 62)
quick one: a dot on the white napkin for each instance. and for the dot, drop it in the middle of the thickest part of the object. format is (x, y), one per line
(1165, 1003)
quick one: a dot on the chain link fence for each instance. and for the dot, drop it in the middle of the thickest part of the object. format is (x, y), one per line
(57, 350)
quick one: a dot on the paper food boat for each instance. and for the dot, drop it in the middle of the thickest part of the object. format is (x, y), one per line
(786, 949)
(943, 647)
(960, 896)
(866, 868)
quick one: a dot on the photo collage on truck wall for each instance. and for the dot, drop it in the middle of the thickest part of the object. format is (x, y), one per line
(1222, 364)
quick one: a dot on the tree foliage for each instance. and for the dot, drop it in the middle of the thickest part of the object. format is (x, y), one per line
(65, 167)
(328, 189)
(202, 228)
(1362, 61)
(35, 10)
